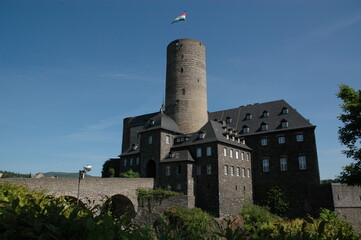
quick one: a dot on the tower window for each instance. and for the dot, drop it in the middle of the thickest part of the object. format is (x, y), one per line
(183, 91)
(182, 70)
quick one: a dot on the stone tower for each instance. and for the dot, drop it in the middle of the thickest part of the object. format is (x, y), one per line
(186, 84)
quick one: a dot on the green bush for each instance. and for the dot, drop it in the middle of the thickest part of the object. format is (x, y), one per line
(275, 199)
(128, 174)
(184, 223)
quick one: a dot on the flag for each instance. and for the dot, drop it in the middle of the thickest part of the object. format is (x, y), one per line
(181, 17)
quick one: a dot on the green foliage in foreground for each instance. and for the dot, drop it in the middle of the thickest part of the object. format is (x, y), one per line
(129, 174)
(26, 214)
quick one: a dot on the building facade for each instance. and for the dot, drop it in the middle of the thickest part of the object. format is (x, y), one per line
(219, 159)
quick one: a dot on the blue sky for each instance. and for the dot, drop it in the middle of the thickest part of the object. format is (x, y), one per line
(71, 70)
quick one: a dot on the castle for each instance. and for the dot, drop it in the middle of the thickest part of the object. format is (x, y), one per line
(219, 159)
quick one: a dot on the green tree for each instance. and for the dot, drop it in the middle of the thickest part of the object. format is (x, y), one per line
(129, 174)
(350, 133)
(276, 200)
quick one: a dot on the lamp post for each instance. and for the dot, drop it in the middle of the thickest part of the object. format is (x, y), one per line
(86, 168)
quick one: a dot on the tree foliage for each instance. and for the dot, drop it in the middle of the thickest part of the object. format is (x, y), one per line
(129, 174)
(7, 174)
(276, 200)
(350, 133)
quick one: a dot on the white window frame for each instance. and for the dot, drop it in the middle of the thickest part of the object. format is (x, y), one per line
(302, 164)
(265, 165)
(225, 151)
(232, 170)
(283, 164)
(167, 139)
(264, 127)
(237, 154)
(209, 151)
(284, 124)
(238, 171)
(299, 137)
(231, 153)
(248, 172)
(243, 172)
(248, 156)
(225, 168)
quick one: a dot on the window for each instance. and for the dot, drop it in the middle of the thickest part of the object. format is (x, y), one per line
(227, 136)
(265, 114)
(225, 169)
(179, 170)
(302, 162)
(264, 141)
(284, 124)
(228, 120)
(232, 171)
(171, 154)
(137, 161)
(225, 152)
(242, 155)
(231, 153)
(150, 139)
(243, 141)
(238, 171)
(248, 116)
(167, 170)
(248, 156)
(264, 127)
(125, 162)
(284, 110)
(283, 164)
(201, 134)
(209, 169)
(199, 152)
(199, 170)
(209, 151)
(265, 165)
(245, 129)
(237, 154)
(248, 172)
(299, 137)
(243, 172)
(178, 186)
(281, 140)
(131, 162)
(167, 139)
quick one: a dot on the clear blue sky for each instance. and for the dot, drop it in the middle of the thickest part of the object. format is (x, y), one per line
(71, 70)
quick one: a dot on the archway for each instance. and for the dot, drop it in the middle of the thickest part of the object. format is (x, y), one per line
(120, 205)
(151, 169)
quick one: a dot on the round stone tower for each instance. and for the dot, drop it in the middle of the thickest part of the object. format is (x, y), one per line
(186, 84)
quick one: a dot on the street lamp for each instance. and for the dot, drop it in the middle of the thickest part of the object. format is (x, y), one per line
(87, 168)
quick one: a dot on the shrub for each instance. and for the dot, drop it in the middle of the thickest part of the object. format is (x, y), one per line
(276, 201)
(129, 174)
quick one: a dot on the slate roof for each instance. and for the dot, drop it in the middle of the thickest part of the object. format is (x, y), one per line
(160, 121)
(140, 120)
(274, 108)
(214, 131)
(179, 156)
(134, 149)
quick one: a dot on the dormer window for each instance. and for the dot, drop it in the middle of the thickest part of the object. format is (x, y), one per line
(171, 154)
(248, 116)
(201, 134)
(152, 122)
(227, 136)
(245, 129)
(265, 114)
(284, 124)
(284, 110)
(134, 147)
(228, 120)
(264, 127)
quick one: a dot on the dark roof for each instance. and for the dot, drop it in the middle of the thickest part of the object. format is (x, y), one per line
(179, 156)
(160, 121)
(134, 149)
(238, 116)
(214, 131)
(140, 120)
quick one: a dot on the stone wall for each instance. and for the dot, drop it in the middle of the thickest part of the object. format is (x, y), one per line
(97, 190)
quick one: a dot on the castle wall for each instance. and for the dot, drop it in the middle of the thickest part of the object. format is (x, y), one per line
(186, 86)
